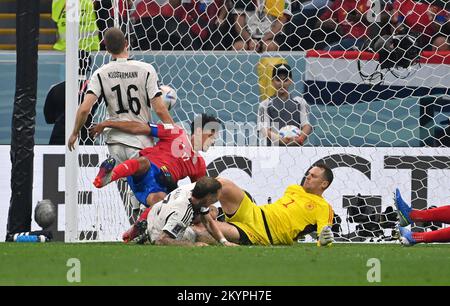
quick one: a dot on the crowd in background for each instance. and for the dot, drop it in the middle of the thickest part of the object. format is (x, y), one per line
(272, 25)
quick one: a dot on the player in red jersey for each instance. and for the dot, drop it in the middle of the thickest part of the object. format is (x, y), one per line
(159, 168)
(156, 172)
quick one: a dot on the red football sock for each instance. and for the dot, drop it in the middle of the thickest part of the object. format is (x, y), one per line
(442, 235)
(127, 168)
(439, 214)
(144, 215)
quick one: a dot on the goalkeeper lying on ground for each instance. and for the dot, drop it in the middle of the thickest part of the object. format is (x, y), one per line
(301, 210)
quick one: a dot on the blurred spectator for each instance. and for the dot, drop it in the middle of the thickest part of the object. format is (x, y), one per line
(349, 19)
(88, 31)
(55, 105)
(302, 31)
(259, 24)
(203, 18)
(106, 16)
(182, 24)
(431, 21)
(223, 32)
(283, 109)
(157, 27)
(311, 8)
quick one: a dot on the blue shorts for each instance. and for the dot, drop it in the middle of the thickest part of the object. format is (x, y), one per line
(146, 184)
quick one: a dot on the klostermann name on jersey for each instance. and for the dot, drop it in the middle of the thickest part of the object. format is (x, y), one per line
(127, 86)
(123, 75)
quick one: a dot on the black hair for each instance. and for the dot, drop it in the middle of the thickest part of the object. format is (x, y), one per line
(204, 186)
(205, 119)
(282, 69)
(114, 41)
(327, 174)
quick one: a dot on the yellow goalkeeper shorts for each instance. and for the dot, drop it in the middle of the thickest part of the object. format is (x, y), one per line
(249, 218)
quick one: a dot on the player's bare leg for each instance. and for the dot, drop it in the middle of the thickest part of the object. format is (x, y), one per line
(155, 197)
(202, 234)
(230, 197)
(229, 231)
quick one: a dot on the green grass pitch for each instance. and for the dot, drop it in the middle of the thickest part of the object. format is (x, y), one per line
(303, 264)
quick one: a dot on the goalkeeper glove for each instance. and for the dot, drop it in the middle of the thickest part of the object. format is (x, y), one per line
(326, 236)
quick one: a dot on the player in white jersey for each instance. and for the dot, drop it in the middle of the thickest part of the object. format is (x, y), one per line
(169, 220)
(129, 89)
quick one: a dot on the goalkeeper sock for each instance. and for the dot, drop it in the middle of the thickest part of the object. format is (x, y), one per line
(442, 235)
(439, 214)
(127, 168)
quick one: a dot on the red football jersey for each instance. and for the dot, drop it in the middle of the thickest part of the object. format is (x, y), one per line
(417, 15)
(174, 150)
(339, 11)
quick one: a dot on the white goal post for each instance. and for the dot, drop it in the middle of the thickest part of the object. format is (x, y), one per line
(379, 119)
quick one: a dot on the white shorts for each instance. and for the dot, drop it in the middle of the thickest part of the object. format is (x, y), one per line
(122, 152)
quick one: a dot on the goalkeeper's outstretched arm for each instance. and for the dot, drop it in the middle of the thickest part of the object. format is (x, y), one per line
(324, 222)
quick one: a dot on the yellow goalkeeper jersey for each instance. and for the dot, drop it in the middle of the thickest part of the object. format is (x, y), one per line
(294, 211)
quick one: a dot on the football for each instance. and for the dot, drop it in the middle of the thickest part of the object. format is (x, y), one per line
(289, 131)
(45, 213)
(169, 96)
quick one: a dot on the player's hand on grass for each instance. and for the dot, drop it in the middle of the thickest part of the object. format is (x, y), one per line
(71, 143)
(96, 129)
(326, 236)
(200, 244)
(230, 244)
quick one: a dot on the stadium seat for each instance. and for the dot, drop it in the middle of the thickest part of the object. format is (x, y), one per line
(47, 31)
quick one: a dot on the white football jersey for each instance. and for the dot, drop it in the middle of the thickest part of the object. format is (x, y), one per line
(172, 215)
(127, 86)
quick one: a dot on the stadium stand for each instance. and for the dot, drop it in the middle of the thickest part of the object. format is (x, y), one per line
(47, 31)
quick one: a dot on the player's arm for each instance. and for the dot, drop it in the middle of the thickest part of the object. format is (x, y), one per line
(306, 127)
(81, 117)
(130, 127)
(306, 131)
(154, 93)
(212, 228)
(173, 230)
(200, 171)
(161, 110)
(263, 123)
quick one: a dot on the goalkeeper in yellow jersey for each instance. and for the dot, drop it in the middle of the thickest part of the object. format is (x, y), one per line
(301, 210)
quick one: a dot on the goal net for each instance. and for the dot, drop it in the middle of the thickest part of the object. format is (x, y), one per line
(372, 81)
